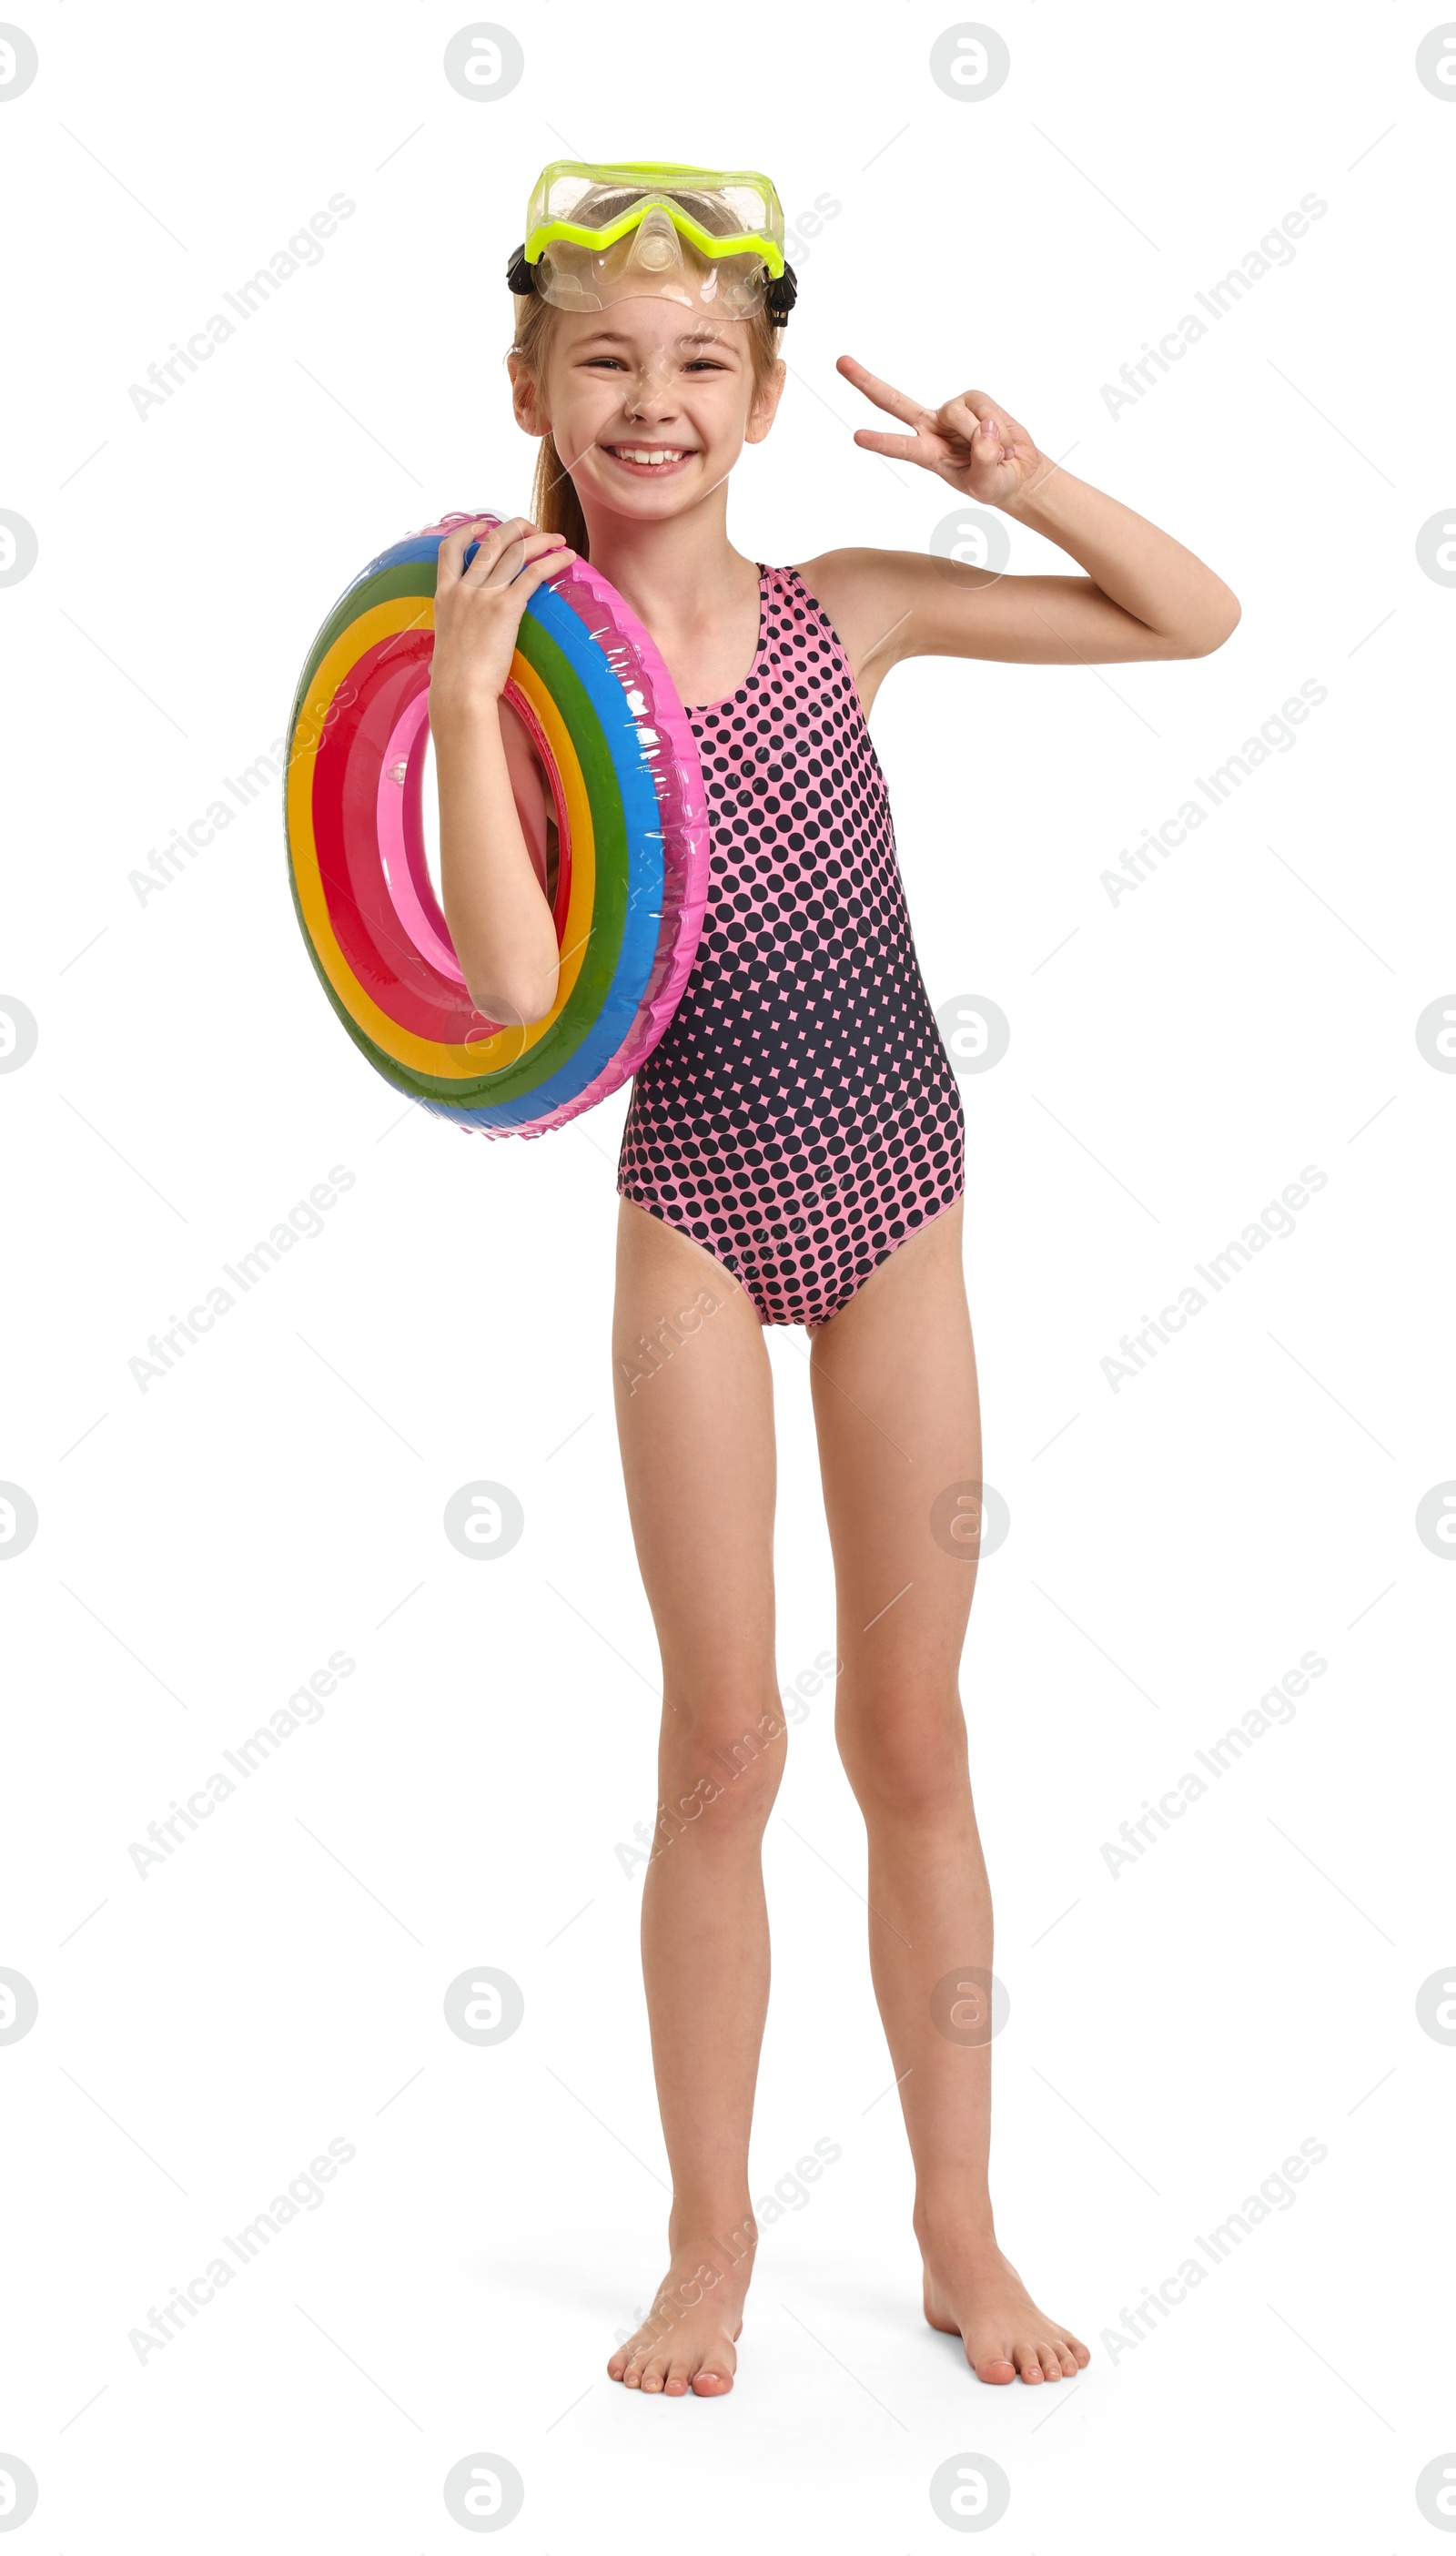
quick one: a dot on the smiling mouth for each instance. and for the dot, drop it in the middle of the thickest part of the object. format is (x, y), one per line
(647, 458)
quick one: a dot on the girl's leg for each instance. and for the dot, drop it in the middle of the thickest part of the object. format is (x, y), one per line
(899, 1426)
(695, 1421)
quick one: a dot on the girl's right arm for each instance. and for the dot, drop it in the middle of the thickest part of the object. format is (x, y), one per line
(490, 888)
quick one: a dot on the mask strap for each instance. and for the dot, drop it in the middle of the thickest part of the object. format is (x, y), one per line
(779, 294)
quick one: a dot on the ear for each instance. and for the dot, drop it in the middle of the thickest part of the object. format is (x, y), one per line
(525, 398)
(762, 414)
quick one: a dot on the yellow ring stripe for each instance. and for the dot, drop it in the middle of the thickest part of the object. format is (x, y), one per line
(406, 1047)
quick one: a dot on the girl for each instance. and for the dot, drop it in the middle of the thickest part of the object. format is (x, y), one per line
(794, 1153)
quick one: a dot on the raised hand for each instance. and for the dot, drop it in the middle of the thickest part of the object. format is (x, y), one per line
(971, 441)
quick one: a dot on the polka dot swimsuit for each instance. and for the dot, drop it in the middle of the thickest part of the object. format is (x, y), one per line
(801, 1117)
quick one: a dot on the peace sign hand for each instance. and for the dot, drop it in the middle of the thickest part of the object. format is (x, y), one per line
(971, 441)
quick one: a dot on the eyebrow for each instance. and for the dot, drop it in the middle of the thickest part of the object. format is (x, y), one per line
(689, 337)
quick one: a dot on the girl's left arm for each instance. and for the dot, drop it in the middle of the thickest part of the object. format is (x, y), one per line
(1143, 595)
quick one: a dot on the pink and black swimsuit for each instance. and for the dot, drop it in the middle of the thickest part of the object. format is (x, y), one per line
(800, 1116)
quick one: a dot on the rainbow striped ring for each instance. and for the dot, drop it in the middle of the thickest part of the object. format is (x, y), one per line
(632, 824)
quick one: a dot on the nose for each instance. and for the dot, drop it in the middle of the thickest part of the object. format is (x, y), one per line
(651, 394)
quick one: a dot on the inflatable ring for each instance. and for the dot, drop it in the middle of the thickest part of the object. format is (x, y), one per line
(632, 833)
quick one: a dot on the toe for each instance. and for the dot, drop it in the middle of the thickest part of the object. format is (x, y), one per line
(1051, 2362)
(676, 2384)
(1028, 2362)
(995, 2369)
(713, 2379)
(1069, 2359)
(652, 2377)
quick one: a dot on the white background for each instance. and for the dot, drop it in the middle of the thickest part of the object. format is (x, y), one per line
(1176, 1546)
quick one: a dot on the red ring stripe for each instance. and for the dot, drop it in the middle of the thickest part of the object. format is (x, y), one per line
(346, 773)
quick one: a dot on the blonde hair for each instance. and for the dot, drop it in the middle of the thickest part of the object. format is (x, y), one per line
(554, 504)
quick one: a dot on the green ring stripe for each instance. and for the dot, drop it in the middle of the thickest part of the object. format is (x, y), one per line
(411, 578)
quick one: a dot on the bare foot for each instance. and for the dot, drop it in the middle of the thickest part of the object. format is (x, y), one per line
(687, 2338)
(973, 2291)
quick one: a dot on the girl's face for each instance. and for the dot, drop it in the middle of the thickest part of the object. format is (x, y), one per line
(649, 403)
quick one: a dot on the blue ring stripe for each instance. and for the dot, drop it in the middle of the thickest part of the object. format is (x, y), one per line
(642, 923)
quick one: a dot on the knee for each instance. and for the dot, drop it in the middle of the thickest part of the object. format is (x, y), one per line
(723, 1811)
(906, 1756)
(726, 1767)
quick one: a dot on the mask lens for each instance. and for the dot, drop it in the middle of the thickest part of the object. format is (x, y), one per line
(656, 253)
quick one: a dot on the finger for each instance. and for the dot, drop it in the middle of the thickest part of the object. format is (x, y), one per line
(884, 394)
(970, 415)
(900, 448)
(1008, 428)
(531, 544)
(539, 564)
(536, 572)
(495, 534)
(450, 561)
(522, 580)
(452, 552)
(500, 553)
(984, 443)
(971, 409)
(470, 526)
(976, 413)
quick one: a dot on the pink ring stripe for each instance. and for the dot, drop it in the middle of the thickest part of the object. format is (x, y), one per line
(682, 796)
(402, 838)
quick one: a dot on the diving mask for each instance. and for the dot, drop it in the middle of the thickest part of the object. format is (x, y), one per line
(710, 239)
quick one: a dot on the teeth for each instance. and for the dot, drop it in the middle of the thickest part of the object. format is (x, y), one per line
(654, 454)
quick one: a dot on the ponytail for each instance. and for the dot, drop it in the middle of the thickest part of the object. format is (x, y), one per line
(554, 504)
